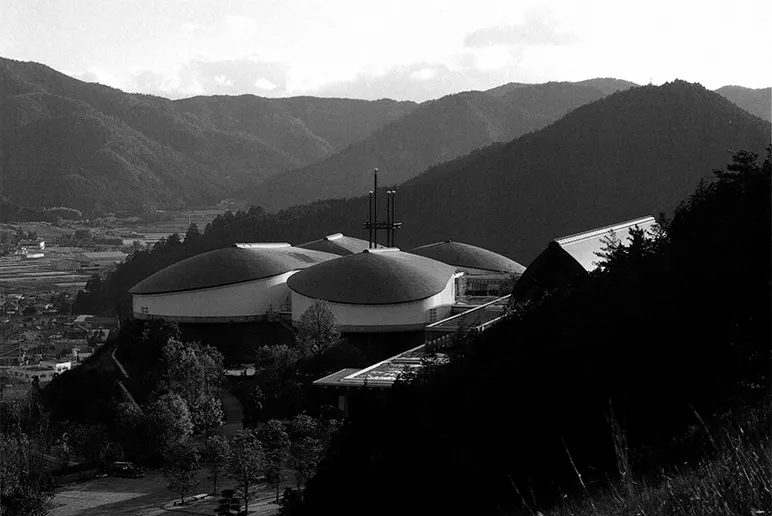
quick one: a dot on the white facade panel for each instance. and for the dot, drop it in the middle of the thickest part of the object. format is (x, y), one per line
(240, 301)
(383, 318)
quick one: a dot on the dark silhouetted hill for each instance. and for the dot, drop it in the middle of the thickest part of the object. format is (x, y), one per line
(757, 102)
(634, 153)
(67, 142)
(435, 132)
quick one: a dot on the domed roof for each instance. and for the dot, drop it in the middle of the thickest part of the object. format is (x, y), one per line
(465, 255)
(373, 277)
(246, 262)
(339, 244)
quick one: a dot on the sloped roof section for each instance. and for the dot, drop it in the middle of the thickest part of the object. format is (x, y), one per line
(373, 277)
(465, 255)
(229, 266)
(339, 244)
(572, 256)
(583, 246)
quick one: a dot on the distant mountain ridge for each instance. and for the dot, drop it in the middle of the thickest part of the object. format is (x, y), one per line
(634, 153)
(96, 148)
(436, 131)
(755, 101)
(67, 142)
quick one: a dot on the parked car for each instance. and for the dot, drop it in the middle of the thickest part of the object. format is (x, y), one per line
(126, 469)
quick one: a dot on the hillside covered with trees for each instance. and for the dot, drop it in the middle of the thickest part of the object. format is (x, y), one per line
(435, 132)
(755, 101)
(64, 142)
(628, 379)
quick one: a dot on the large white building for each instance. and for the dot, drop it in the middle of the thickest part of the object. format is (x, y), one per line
(370, 291)
(377, 290)
(235, 284)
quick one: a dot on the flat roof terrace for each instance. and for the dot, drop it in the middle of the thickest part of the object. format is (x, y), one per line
(384, 373)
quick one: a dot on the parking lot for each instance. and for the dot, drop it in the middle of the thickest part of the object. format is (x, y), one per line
(112, 495)
(145, 496)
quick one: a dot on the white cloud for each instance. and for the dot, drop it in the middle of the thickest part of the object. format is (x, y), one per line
(366, 49)
(493, 58)
(192, 27)
(423, 74)
(265, 84)
(101, 76)
(222, 80)
(539, 28)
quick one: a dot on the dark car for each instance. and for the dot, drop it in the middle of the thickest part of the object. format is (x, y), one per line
(126, 469)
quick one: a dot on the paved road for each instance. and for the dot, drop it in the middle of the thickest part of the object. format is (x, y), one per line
(144, 496)
(111, 495)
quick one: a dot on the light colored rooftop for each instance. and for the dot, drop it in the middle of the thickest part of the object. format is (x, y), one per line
(384, 373)
(373, 277)
(583, 247)
(229, 266)
(339, 244)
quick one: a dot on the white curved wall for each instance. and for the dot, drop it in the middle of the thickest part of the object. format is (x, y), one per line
(243, 301)
(384, 318)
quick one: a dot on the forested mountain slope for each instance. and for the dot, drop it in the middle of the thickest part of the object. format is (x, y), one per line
(754, 101)
(435, 132)
(67, 142)
(634, 153)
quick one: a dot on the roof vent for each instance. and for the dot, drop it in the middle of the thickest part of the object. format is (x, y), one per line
(266, 245)
(334, 236)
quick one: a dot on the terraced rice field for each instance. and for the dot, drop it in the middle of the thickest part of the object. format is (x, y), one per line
(17, 273)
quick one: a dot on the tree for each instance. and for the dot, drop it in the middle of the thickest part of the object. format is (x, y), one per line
(276, 443)
(215, 456)
(306, 448)
(228, 505)
(206, 413)
(181, 467)
(131, 426)
(86, 440)
(247, 462)
(191, 370)
(170, 418)
(318, 330)
(274, 362)
(22, 476)
(192, 236)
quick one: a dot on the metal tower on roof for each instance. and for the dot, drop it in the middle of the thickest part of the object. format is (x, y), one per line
(391, 225)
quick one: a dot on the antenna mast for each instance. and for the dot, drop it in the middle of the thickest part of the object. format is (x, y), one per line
(391, 225)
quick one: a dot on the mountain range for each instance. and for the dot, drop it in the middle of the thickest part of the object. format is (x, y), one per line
(634, 153)
(755, 101)
(67, 142)
(434, 132)
(64, 142)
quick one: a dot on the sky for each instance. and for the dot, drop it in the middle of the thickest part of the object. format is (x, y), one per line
(401, 49)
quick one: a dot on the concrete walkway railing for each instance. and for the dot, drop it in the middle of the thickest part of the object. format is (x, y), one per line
(125, 377)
